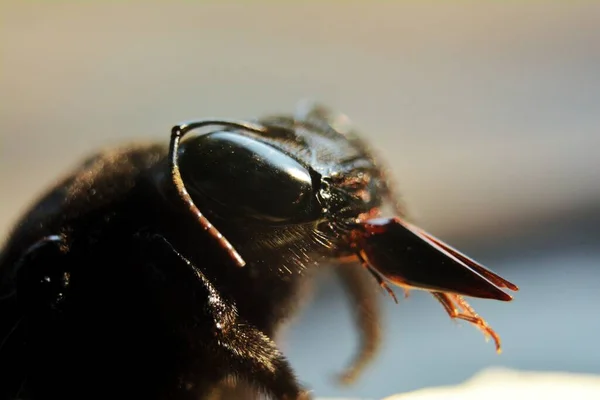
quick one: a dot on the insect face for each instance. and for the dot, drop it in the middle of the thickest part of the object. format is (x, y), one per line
(336, 183)
(275, 189)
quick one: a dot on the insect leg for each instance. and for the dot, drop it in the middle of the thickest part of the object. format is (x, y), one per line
(458, 308)
(363, 297)
(378, 278)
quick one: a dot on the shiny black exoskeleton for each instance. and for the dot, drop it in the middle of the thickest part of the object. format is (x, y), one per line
(112, 288)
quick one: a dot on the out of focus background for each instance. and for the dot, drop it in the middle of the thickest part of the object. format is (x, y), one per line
(487, 112)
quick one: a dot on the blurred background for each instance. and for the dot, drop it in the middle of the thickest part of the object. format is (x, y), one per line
(488, 113)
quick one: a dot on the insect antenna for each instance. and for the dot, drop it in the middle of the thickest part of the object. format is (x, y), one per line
(177, 133)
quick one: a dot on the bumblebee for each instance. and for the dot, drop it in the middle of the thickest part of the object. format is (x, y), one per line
(165, 270)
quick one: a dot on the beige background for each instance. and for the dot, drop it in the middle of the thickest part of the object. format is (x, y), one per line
(487, 112)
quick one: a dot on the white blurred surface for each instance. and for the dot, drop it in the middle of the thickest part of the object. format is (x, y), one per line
(502, 384)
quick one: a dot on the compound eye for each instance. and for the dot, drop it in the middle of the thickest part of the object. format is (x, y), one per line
(247, 175)
(42, 281)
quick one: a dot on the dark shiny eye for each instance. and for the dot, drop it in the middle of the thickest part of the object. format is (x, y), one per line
(42, 281)
(242, 173)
